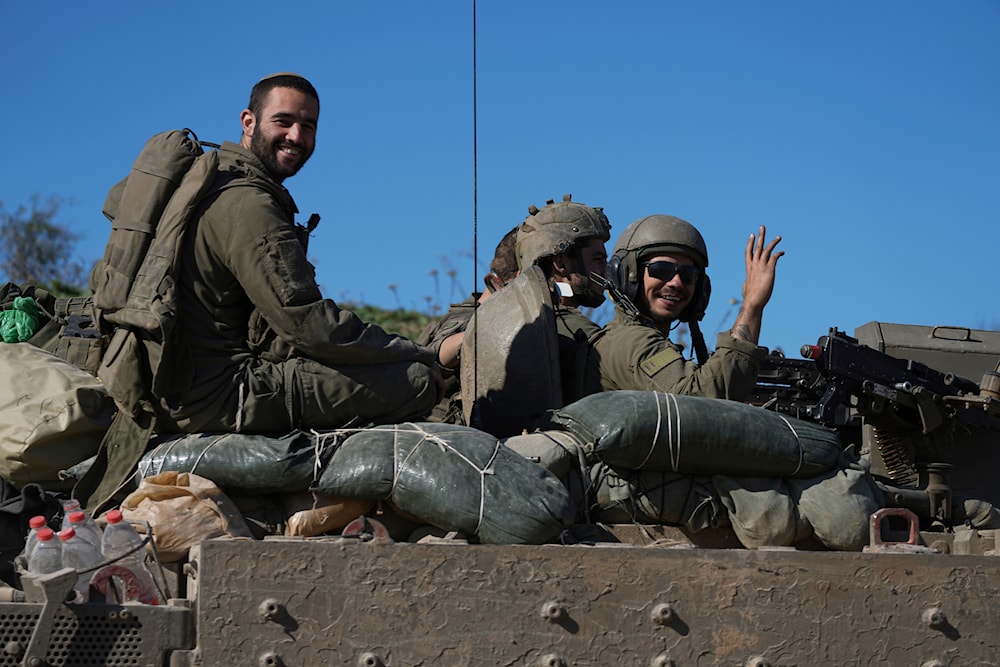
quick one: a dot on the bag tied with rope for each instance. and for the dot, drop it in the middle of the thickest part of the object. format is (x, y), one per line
(454, 477)
(694, 435)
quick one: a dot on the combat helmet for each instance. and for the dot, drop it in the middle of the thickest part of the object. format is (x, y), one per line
(657, 235)
(556, 228)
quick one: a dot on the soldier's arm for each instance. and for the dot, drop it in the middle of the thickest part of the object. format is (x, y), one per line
(761, 261)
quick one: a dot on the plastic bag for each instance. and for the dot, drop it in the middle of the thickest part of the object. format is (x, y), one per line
(311, 514)
(183, 509)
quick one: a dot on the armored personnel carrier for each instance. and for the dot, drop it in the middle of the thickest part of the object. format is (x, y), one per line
(923, 591)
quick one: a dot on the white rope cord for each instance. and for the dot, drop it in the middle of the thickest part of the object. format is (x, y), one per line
(201, 455)
(445, 446)
(798, 441)
(320, 446)
(656, 433)
(675, 457)
(160, 463)
(673, 417)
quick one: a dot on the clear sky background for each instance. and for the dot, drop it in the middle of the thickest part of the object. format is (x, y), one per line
(865, 132)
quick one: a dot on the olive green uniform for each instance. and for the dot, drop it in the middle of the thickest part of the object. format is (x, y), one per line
(262, 350)
(578, 375)
(633, 355)
(456, 320)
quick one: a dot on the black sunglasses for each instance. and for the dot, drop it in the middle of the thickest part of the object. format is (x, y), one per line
(665, 271)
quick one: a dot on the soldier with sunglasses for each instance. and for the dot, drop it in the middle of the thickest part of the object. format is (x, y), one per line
(656, 277)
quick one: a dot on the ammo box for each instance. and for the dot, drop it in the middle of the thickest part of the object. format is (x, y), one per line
(968, 353)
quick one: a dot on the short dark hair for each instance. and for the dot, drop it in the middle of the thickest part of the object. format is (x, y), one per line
(504, 262)
(279, 80)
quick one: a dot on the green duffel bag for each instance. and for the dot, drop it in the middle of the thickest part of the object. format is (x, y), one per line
(453, 477)
(693, 435)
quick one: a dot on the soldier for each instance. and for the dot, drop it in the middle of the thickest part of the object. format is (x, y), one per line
(265, 352)
(657, 279)
(566, 240)
(446, 334)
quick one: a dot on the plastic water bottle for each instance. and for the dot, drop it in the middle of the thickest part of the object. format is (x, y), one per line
(120, 537)
(80, 555)
(35, 524)
(46, 556)
(85, 527)
(69, 506)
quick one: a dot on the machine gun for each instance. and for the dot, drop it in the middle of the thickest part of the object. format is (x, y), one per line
(911, 413)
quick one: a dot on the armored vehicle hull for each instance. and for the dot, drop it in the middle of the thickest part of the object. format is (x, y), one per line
(923, 592)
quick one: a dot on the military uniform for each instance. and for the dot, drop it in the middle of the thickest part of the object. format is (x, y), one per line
(578, 375)
(633, 355)
(456, 320)
(261, 350)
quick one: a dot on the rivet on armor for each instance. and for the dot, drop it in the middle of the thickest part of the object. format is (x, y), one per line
(935, 618)
(269, 609)
(663, 614)
(551, 660)
(553, 611)
(369, 659)
(270, 659)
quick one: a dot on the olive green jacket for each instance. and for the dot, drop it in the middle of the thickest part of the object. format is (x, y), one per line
(247, 293)
(633, 355)
(456, 320)
(578, 375)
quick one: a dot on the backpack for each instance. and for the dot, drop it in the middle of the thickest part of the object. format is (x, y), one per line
(134, 290)
(66, 325)
(135, 295)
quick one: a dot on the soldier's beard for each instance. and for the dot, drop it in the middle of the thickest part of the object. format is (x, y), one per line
(266, 151)
(585, 291)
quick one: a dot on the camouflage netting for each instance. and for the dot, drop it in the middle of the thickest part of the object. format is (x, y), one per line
(645, 430)
(453, 477)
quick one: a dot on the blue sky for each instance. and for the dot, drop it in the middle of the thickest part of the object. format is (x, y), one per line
(865, 133)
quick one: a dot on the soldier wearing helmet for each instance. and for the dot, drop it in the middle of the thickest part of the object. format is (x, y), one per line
(566, 241)
(656, 276)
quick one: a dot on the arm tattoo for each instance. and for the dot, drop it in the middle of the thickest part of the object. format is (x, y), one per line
(742, 332)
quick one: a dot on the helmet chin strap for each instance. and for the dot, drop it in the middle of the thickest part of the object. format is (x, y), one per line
(698, 341)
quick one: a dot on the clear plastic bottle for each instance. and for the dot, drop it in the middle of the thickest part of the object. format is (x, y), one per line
(85, 527)
(120, 537)
(80, 555)
(69, 506)
(35, 524)
(46, 557)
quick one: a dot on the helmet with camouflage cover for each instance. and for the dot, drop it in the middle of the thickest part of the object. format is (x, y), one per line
(557, 228)
(656, 235)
